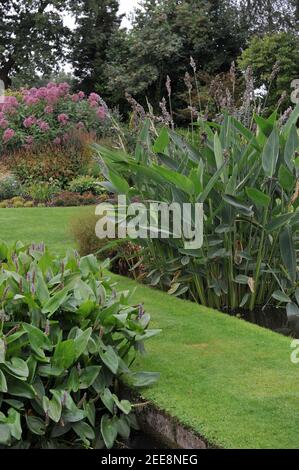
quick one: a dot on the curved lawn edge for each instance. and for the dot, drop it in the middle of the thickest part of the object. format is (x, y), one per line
(230, 381)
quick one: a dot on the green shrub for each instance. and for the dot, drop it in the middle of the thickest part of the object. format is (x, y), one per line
(67, 338)
(29, 204)
(15, 199)
(85, 184)
(18, 204)
(42, 192)
(9, 187)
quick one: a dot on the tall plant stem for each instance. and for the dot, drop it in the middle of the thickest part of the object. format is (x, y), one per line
(191, 111)
(274, 247)
(232, 296)
(259, 261)
(200, 290)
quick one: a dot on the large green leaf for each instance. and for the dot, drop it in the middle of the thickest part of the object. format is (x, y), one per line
(278, 222)
(291, 146)
(259, 198)
(3, 383)
(5, 436)
(211, 183)
(36, 425)
(19, 388)
(109, 430)
(249, 136)
(265, 125)
(281, 296)
(110, 359)
(141, 379)
(81, 342)
(124, 405)
(64, 354)
(53, 407)
(292, 309)
(218, 151)
(88, 376)
(14, 423)
(270, 154)
(2, 351)
(84, 431)
(291, 121)
(286, 178)
(38, 340)
(107, 399)
(55, 302)
(162, 141)
(177, 179)
(119, 183)
(17, 367)
(233, 201)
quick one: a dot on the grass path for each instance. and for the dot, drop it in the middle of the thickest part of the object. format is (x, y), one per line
(231, 381)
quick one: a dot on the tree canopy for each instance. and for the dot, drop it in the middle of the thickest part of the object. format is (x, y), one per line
(32, 37)
(110, 60)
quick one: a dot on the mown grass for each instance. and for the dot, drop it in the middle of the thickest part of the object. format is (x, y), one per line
(231, 381)
(49, 224)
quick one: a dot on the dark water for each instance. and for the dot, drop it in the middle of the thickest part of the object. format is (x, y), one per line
(274, 319)
(141, 440)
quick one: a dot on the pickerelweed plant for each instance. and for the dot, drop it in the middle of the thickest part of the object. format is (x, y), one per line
(67, 340)
(248, 183)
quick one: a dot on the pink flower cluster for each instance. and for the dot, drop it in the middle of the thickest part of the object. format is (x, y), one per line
(9, 105)
(49, 113)
(52, 93)
(8, 135)
(29, 121)
(63, 119)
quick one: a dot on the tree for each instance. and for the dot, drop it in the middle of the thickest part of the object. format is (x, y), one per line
(262, 54)
(97, 22)
(268, 16)
(165, 34)
(32, 36)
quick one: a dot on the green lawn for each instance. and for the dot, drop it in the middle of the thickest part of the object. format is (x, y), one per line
(231, 381)
(49, 224)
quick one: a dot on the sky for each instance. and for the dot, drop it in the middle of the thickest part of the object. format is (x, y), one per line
(127, 6)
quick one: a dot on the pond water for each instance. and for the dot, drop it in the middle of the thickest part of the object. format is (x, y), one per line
(272, 318)
(141, 440)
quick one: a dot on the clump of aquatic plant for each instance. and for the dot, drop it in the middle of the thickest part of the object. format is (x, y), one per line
(67, 341)
(248, 181)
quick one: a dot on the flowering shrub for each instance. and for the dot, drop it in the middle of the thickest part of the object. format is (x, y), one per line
(49, 115)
